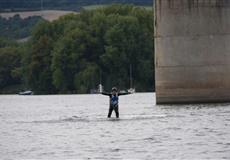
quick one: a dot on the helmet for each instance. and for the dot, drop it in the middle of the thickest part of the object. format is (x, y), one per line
(114, 89)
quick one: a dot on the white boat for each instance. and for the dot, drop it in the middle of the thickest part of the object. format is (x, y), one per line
(132, 90)
(26, 93)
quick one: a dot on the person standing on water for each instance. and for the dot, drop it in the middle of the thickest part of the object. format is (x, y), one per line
(114, 99)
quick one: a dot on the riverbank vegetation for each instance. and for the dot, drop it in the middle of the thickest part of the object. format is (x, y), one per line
(76, 52)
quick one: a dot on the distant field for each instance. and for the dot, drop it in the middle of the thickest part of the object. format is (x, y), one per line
(90, 7)
(148, 7)
(49, 15)
(94, 7)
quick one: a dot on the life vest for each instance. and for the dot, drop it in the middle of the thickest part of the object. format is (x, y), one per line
(114, 100)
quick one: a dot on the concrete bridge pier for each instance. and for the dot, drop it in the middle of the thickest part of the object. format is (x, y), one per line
(192, 51)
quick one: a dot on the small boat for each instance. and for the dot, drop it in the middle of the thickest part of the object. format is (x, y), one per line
(132, 90)
(26, 93)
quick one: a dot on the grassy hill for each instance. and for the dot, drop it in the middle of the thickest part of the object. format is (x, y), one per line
(76, 5)
(91, 7)
(49, 15)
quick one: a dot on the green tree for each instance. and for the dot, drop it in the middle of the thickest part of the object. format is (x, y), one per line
(69, 58)
(39, 67)
(10, 62)
(72, 54)
(16, 27)
(85, 79)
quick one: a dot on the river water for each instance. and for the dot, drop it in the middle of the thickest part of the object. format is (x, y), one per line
(76, 127)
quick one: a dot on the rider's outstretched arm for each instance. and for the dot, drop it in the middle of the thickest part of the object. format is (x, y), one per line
(106, 93)
(122, 94)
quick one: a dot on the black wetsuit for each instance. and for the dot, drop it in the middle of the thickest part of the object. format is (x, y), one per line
(113, 102)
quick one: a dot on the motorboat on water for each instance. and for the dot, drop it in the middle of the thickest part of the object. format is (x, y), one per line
(26, 93)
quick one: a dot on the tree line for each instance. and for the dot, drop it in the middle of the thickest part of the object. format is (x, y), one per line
(16, 27)
(78, 51)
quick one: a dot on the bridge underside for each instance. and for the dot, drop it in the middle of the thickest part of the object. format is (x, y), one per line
(192, 51)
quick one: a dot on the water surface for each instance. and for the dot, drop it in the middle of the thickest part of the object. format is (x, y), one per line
(75, 126)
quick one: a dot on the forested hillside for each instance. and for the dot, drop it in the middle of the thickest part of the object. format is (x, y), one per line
(78, 51)
(17, 27)
(61, 4)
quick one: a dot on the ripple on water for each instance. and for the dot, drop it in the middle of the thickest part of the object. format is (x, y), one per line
(75, 126)
(97, 119)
